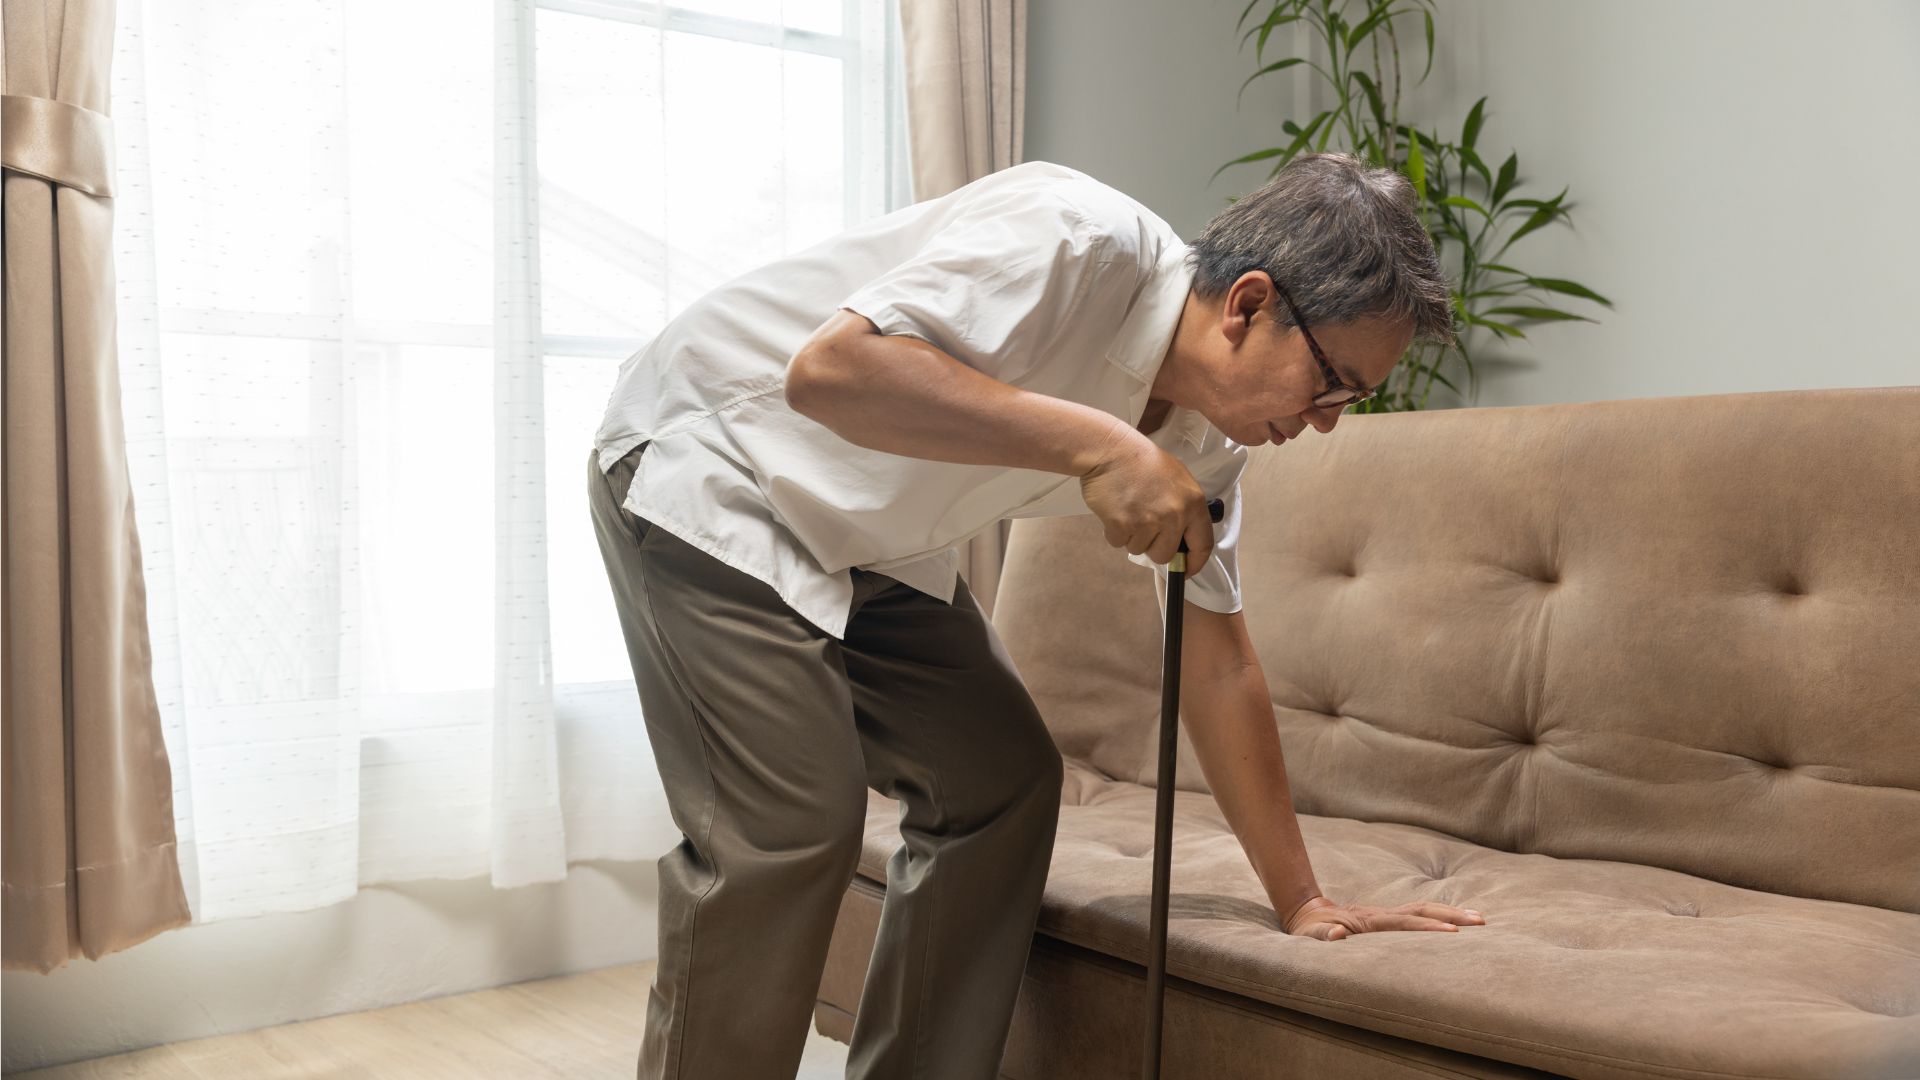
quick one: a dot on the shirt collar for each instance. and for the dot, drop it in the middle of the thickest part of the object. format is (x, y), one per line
(1140, 346)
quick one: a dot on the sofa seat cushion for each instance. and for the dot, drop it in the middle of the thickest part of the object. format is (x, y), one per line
(1585, 967)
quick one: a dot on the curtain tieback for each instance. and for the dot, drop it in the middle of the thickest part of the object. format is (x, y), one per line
(66, 144)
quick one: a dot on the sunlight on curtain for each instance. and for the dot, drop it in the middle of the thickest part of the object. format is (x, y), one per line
(378, 264)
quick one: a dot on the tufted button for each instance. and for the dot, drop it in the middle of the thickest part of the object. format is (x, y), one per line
(1790, 586)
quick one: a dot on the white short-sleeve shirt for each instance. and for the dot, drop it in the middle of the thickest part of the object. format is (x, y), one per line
(1037, 275)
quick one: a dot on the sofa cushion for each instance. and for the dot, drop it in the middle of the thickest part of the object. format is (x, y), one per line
(1676, 631)
(1585, 967)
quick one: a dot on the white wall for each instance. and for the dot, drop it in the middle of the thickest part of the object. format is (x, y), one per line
(1744, 170)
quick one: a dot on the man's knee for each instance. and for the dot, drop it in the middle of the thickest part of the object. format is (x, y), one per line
(1031, 773)
(828, 833)
(849, 835)
(1047, 771)
(1046, 785)
(802, 839)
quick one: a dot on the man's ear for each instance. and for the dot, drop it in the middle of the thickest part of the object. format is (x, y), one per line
(1249, 295)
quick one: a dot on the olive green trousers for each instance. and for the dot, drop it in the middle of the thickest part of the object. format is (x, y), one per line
(767, 733)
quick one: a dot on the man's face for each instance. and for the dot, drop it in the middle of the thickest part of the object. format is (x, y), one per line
(1261, 377)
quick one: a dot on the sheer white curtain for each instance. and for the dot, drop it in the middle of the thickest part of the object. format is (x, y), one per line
(378, 263)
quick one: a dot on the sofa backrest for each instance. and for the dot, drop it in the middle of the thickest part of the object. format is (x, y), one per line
(1681, 632)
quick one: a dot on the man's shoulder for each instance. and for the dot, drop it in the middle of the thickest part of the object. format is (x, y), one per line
(1103, 208)
(1119, 223)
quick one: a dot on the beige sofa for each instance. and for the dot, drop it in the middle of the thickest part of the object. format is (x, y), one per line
(1638, 679)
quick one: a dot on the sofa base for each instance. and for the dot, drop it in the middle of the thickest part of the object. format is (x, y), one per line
(1080, 1011)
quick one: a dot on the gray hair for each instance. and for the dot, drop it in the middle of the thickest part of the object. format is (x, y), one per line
(1343, 238)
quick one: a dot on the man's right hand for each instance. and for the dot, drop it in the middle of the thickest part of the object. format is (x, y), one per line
(1329, 921)
(1148, 500)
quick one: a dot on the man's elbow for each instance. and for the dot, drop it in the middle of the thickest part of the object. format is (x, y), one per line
(806, 383)
(796, 382)
(818, 372)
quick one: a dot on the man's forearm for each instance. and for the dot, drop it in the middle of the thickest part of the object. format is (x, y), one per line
(1238, 746)
(901, 395)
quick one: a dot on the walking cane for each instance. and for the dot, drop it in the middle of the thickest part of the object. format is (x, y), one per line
(1163, 798)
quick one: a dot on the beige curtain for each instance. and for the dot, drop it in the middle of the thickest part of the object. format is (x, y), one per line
(87, 835)
(966, 79)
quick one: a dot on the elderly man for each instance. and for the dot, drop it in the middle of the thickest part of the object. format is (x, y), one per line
(779, 487)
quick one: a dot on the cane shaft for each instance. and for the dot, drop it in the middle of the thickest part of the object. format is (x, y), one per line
(1163, 817)
(1163, 800)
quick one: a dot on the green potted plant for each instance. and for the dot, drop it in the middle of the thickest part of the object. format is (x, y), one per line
(1475, 213)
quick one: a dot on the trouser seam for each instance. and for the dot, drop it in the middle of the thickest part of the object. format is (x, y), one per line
(926, 940)
(706, 832)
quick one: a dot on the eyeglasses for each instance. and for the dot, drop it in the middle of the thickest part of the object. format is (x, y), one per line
(1337, 391)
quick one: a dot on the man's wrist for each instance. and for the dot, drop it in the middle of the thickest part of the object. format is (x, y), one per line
(1287, 923)
(1089, 454)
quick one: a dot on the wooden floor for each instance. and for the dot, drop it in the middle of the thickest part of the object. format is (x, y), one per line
(583, 1026)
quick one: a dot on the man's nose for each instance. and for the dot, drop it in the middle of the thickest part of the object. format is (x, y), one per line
(1323, 420)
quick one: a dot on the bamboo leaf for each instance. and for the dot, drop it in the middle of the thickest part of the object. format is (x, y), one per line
(1414, 134)
(1374, 102)
(1552, 205)
(1539, 314)
(1452, 228)
(1431, 371)
(1326, 134)
(1276, 19)
(1505, 182)
(1466, 203)
(1428, 16)
(1305, 133)
(1474, 119)
(1367, 26)
(1299, 140)
(1273, 18)
(1278, 65)
(1539, 218)
(1417, 168)
(1561, 285)
(1257, 155)
(1251, 4)
(1473, 161)
(1500, 328)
